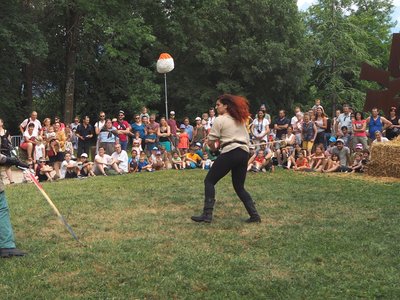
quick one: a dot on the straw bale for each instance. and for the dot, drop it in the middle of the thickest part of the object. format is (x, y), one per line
(385, 159)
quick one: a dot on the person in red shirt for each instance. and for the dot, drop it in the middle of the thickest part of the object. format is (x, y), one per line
(301, 163)
(124, 130)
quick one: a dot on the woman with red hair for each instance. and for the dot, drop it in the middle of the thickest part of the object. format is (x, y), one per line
(229, 133)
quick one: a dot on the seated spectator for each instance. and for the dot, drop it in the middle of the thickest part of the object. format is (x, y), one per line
(177, 162)
(69, 168)
(206, 163)
(152, 157)
(104, 163)
(358, 150)
(332, 165)
(344, 155)
(206, 149)
(44, 172)
(144, 164)
(137, 143)
(29, 141)
(257, 163)
(158, 163)
(365, 157)
(317, 159)
(301, 163)
(166, 157)
(332, 142)
(357, 165)
(198, 149)
(192, 159)
(295, 155)
(379, 138)
(121, 159)
(133, 162)
(55, 156)
(85, 167)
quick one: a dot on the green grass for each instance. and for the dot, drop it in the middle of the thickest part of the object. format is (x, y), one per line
(321, 237)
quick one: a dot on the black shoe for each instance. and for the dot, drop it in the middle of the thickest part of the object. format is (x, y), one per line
(206, 218)
(254, 219)
(9, 252)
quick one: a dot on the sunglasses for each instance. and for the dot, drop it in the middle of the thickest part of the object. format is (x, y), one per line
(42, 162)
(102, 116)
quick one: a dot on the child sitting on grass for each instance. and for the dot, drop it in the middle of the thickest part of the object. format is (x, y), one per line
(206, 163)
(301, 163)
(143, 164)
(177, 162)
(192, 159)
(357, 165)
(317, 158)
(44, 171)
(256, 163)
(333, 164)
(133, 162)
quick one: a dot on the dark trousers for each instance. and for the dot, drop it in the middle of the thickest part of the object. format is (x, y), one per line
(83, 147)
(235, 161)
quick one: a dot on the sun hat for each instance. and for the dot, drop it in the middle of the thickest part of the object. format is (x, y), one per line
(198, 119)
(84, 155)
(359, 146)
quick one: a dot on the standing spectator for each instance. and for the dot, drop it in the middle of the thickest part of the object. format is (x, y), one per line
(328, 131)
(139, 126)
(335, 123)
(343, 153)
(5, 147)
(150, 141)
(183, 144)
(108, 137)
(376, 123)
(29, 140)
(260, 127)
(379, 138)
(124, 130)
(199, 132)
(360, 130)
(308, 132)
(98, 126)
(23, 127)
(344, 119)
(266, 114)
(211, 117)
(85, 133)
(121, 158)
(45, 127)
(57, 120)
(281, 124)
(297, 125)
(204, 121)
(188, 128)
(394, 129)
(73, 126)
(321, 123)
(164, 134)
(173, 127)
(152, 123)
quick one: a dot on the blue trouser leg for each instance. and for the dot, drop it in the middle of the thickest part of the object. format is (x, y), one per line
(6, 232)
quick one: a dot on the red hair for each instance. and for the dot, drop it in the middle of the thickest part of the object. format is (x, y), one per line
(237, 106)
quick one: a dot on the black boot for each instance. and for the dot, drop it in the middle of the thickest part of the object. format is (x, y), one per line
(251, 209)
(207, 212)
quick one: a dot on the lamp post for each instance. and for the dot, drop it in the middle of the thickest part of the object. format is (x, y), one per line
(165, 64)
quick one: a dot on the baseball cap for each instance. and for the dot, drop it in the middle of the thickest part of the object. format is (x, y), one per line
(154, 148)
(121, 112)
(340, 141)
(158, 153)
(198, 144)
(171, 112)
(332, 139)
(84, 155)
(359, 146)
(198, 119)
(182, 126)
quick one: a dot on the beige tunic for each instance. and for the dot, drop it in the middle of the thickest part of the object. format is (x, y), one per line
(227, 129)
(2, 161)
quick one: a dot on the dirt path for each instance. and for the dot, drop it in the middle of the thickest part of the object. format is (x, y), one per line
(17, 176)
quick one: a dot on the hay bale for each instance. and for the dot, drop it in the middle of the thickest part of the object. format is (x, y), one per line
(385, 159)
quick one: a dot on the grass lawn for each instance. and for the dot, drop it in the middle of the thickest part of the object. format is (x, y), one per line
(322, 236)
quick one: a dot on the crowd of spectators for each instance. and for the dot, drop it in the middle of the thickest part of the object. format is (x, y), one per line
(308, 141)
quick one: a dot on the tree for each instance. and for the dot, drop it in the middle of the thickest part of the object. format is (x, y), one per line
(345, 34)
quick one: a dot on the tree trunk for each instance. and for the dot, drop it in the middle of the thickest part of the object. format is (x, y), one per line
(73, 26)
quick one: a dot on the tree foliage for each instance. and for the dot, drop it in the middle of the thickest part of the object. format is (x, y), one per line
(265, 50)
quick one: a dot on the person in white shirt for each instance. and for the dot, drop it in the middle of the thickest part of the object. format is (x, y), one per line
(23, 127)
(104, 162)
(379, 138)
(69, 168)
(121, 158)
